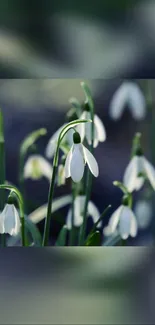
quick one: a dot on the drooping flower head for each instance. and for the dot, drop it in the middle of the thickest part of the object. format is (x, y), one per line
(128, 94)
(9, 218)
(36, 167)
(77, 158)
(85, 129)
(124, 221)
(138, 169)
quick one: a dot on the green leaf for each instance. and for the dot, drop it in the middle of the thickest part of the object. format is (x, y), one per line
(40, 213)
(31, 139)
(88, 95)
(76, 104)
(94, 239)
(61, 241)
(97, 222)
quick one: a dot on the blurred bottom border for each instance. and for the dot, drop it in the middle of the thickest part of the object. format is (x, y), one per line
(110, 285)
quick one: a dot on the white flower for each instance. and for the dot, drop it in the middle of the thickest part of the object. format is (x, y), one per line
(79, 205)
(99, 129)
(143, 212)
(37, 167)
(76, 159)
(123, 219)
(61, 175)
(9, 220)
(128, 94)
(138, 165)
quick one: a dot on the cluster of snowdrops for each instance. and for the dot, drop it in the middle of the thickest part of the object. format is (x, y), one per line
(70, 153)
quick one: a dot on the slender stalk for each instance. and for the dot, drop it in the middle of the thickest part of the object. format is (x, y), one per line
(49, 208)
(71, 240)
(21, 208)
(2, 170)
(88, 183)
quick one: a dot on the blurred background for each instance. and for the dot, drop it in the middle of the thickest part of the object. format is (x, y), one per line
(46, 49)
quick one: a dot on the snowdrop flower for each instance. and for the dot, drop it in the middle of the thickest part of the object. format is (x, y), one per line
(143, 212)
(99, 129)
(9, 220)
(128, 94)
(135, 173)
(79, 204)
(36, 167)
(76, 159)
(123, 219)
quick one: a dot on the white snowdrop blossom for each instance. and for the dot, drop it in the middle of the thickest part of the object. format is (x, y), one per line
(136, 171)
(143, 212)
(99, 129)
(36, 167)
(123, 220)
(79, 204)
(129, 94)
(76, 159)
(9, 220)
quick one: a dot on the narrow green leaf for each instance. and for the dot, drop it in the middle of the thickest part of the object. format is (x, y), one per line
(94, 239)
(31, 139)
(61, 241)
(88, 94)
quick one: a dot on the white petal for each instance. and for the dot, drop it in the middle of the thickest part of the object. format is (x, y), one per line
(67, 164)
(125, 222)
(94, 213)
(45, 167)
(114, 219)
(2, 230)
(79, 205)
(81, 127)
(77, 163)
(69, 137)
(119, 101)
(100, 128)
(133, 226)
(91, 161)
(143, 213)
(69, 219)
(137, 102)
(150, 171)
(130, 175)
(96, 137)
(28, 167)
(11, 220)
(51, 146)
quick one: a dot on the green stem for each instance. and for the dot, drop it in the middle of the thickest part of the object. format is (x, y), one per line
(49, 208)
(71, 241)
(21, 208)
(2, 170)
(88, 183)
